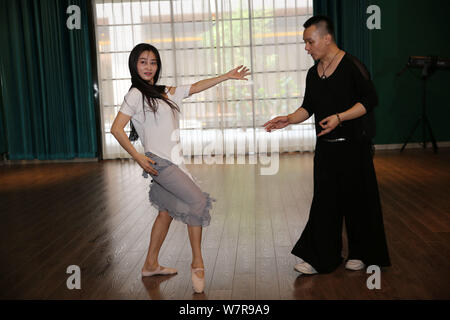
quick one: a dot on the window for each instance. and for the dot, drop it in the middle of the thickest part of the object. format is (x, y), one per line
(198, 39)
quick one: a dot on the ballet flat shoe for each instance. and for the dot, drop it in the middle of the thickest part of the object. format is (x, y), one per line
(197, 283)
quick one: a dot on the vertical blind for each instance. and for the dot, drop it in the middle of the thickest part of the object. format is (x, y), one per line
(198, 39)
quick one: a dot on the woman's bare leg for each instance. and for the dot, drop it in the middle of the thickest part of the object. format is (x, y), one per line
(195, 236)
(157, 236)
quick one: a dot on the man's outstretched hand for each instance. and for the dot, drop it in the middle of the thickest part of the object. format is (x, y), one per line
(276, 123)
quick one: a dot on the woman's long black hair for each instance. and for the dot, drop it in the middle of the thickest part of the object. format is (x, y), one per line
(150, 93)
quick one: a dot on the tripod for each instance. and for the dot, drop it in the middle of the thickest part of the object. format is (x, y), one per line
(427, 71)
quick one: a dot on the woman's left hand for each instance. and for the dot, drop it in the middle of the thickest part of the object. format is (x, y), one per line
(238, 74)
(328, 124)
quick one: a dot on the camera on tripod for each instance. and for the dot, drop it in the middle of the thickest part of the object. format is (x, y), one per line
(429, 65)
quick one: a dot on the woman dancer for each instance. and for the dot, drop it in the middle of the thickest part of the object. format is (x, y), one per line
(154, 113)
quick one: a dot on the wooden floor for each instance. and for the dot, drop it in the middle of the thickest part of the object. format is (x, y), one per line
(97, 216)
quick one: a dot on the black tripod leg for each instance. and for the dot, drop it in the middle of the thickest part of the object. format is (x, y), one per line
(424, 131)
(410, 134)
(433, 141)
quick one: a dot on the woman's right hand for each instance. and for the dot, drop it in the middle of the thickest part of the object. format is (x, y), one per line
(145, 162)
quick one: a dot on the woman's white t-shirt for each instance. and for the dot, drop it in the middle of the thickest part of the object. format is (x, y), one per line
(159, 132)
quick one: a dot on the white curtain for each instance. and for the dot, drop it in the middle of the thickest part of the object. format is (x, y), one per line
(198, 39)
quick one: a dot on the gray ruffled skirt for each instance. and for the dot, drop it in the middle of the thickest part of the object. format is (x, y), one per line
(172, 190)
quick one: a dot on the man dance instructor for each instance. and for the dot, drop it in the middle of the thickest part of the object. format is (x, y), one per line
(341, 95)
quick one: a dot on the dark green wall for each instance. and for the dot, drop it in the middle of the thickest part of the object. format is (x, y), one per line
(410, 27)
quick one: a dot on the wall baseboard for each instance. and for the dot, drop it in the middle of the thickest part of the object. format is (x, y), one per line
(35, 161)
(410, 145)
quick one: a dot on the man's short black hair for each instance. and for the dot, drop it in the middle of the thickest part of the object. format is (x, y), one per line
(322, 22)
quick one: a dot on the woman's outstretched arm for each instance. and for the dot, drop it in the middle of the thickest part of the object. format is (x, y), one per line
(235, 74)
